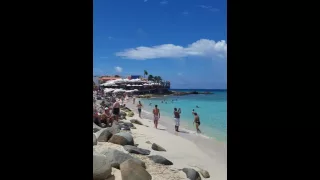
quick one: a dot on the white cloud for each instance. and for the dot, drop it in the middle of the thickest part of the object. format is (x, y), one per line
(145, 0)
(210, 8)
(164, 2)
(118, 69)
(201, 48)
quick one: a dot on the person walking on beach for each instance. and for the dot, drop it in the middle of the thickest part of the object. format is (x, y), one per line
(156, 116)
(177, 118)
(139, 109)
(134, 99)
(197, 121)
(116, 110)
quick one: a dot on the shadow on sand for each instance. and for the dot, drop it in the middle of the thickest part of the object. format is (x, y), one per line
(184, 132)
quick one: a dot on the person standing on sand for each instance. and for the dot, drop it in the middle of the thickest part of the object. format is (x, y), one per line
(156, 115)
(116, 110)
(197, 121)
(134, 99)
(139, 109)
(177, 118)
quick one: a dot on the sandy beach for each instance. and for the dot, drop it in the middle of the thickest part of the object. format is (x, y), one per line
(185, 150)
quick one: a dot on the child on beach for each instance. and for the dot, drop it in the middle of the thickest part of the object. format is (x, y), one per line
(156, 115)
(197, 121)
(139, 108)
(176, 114)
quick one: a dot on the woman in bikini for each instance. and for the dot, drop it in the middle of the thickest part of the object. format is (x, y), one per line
(156, 115)
(139, 108)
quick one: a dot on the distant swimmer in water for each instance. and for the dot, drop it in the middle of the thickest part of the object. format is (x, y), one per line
(150, 104)
(193, 111)
(161, 101)
(197, 106)
(166, 102)
(197, 122)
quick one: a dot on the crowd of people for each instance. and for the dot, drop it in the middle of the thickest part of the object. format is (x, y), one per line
(176, 114)
(107, 113)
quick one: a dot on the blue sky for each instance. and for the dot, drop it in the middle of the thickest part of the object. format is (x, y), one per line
(183, 41)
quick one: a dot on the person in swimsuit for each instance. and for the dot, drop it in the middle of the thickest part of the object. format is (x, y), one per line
(156, 115)
(139, 108)
(116, 110)
(197, 121)
(177, 118)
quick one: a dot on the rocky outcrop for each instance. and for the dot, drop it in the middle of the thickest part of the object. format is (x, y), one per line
(136, 121)
(96, 128)
(136, 150)
(156, 147)
(130, 170)
(122, 138)
(191, 174)
(116, 157)
(103, 135)
(101, 167)
(160, 160)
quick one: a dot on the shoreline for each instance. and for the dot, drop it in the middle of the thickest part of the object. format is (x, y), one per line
(215, 151)
(186, 123)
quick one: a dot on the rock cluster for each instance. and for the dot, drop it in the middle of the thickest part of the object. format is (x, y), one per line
(129, 164)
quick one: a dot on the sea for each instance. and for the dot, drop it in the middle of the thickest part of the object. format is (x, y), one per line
(212, 110)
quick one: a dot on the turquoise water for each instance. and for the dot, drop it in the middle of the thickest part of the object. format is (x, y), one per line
(212, 111)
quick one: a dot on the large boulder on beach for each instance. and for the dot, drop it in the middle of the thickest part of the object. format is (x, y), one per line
(103, 135)
(122, 138)
(94, 139)
(130, 114)
(116, 157)
(136, 150)
(191, 174)
(101, 167)
(130, 170)
(156, 147)
(160, 160)
(115, 128)
(96, 128)
(126, 128)
(122, 113)
(204, 173)
(128, 124)
(136, 121)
